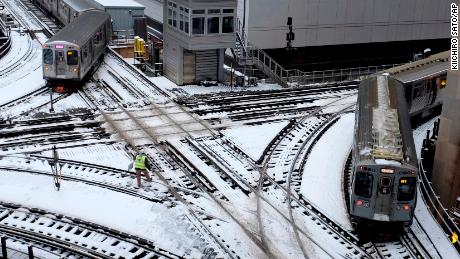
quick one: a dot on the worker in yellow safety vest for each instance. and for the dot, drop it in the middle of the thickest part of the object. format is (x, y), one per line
(141, 165)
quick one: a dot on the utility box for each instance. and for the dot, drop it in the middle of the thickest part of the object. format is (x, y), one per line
(123, 13)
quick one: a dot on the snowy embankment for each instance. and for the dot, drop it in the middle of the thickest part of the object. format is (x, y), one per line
(323, 173)
(21, 69)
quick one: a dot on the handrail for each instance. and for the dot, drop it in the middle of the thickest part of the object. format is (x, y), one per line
(435, 206)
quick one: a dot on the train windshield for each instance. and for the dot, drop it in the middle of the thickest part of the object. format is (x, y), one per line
(406, 189)
(363, 184)
(48, 56)
(72, 57)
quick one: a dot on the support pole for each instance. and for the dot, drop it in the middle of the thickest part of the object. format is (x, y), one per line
(4, 253)
(31, 252)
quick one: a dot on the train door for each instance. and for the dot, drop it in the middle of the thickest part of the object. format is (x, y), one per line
(383, 202)
(60, 62)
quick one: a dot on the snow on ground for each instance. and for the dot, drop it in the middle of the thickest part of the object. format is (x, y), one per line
(21, 69)
(253, 139)
(166, 227)
(420, 134)
(434, 231)
(100, 154)
(170, 86)
(323, 173)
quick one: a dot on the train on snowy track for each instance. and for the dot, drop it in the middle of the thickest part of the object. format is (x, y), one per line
(385, 165)
(74, 51)
(66, 11)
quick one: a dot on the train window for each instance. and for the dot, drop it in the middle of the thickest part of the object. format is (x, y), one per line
(72, 57)
(48, 56)
(406, 189)
(385, 184)
(363, 184)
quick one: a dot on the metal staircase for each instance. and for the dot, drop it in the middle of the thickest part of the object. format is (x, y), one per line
(246, 54)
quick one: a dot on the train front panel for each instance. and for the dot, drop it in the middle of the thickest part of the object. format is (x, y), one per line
(61, 61)
(383, 193)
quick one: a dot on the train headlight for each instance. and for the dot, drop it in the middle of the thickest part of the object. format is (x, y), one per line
(406, 207)
(75, 70)
(47, 68)
(361, 203)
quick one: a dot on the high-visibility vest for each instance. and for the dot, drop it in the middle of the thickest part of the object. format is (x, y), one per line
(139, 163)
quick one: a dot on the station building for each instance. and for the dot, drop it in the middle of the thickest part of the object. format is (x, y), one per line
(196, 34)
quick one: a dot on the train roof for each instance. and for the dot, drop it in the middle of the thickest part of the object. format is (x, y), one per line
(82, 28)
(383, 133)
(81, 5)
(413, 71)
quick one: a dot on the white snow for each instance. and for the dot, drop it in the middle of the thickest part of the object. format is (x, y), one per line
(253, 139)
(107, 208)
(15, 82)
(380, 161)
(323, 173)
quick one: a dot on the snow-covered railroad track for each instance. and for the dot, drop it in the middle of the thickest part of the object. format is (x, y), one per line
(50, 25)
(153, 138)
(26, 135)
(294, 202)
(134, 79)
(4, 108)
(12, 67)
(28, 19)
(271, 104)
(74, 236)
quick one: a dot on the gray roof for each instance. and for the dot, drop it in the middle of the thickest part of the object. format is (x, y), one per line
(153, 9)
(81, 5)
(82, 28)
(120, 4)
(422, 72)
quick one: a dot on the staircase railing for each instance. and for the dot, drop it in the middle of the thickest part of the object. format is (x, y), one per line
(248, 54)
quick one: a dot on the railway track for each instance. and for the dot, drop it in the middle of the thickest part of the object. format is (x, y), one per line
(73, 236)
(164, 167)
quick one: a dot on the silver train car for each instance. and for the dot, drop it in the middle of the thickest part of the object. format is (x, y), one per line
(385, 168)
(72, 52)
(424, 83)
(66, 11)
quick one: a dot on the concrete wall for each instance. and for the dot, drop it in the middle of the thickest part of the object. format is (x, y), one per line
(122, 18)
(336, 22)
(446, 169)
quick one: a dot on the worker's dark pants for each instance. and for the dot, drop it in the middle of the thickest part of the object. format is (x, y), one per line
(138, 176)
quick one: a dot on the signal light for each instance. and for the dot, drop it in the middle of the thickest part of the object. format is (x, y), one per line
(406, 207)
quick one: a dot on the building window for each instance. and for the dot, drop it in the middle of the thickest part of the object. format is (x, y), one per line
(174, 15)
(184, 17)
(213, 25)
(228, 24)
(198, 12)
(186, 20)
(213, 11)
(227, 11)
(198, 25)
